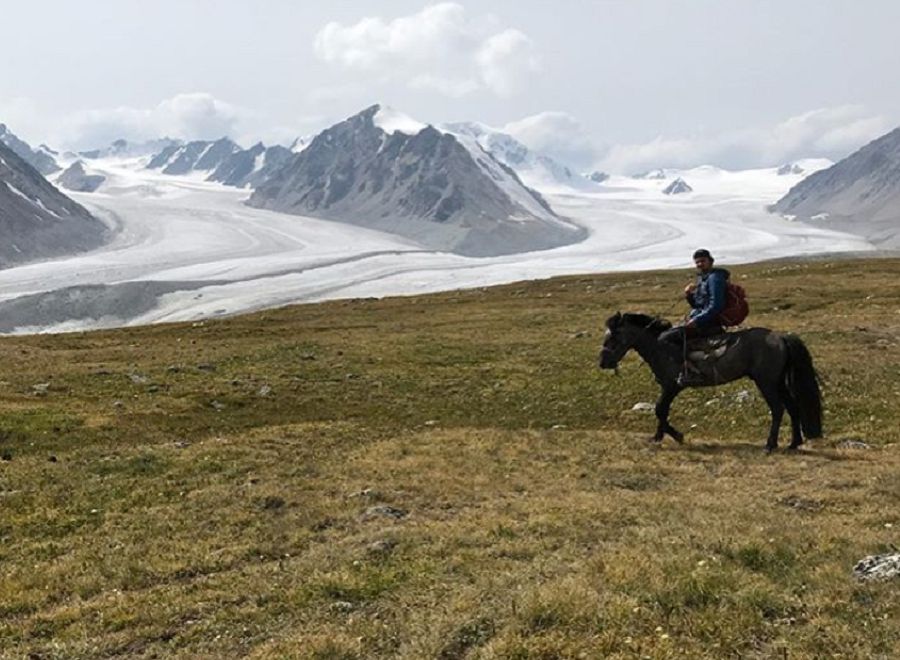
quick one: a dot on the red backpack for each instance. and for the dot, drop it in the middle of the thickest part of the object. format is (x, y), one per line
(736, 306)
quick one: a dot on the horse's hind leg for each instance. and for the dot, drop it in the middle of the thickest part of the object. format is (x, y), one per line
(776, 407)
(790, 403)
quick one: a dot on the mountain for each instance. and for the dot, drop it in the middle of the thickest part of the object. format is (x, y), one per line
(677, 187)
(597, 176)
(124, 149)
(790, 168)
(198, 155)
(657, 174)
(859, 194)
(536, 170)
(251, 167)
(75, 178)
(381, 170)
(41, 159)
(36, 220)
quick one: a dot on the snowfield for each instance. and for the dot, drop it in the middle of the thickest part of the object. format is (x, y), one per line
(217, 256)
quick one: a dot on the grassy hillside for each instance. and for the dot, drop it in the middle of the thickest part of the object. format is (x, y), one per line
(446, 476)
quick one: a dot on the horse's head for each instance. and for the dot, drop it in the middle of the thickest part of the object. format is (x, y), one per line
(623, 331)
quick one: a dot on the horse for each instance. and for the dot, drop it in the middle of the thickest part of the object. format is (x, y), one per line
(779, 364)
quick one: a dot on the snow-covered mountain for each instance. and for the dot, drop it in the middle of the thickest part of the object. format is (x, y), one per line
(42, 159)
(383, 170)
(677, 187)
(124, 149)
(77, 179)
(199, 155)
(657, 174)
(536, 170)
(36, 220)
(251, 167)
(860, 193)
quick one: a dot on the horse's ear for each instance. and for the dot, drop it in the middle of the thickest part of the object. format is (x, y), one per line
(614, 320)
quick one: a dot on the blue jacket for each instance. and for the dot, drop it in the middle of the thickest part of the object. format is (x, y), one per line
(708, 299)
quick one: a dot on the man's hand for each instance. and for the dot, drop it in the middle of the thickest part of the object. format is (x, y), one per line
(689, 289)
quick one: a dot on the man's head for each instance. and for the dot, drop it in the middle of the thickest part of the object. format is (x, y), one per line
(703, 260)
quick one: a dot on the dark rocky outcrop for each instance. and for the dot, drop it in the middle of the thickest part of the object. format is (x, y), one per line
(76, 179)
(36, 220)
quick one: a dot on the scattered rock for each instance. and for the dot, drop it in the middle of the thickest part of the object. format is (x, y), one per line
(40, 388)
(181, 444)
(431, 422)
(342, 606)
(138, 379)
(580, 334)
(878, 567)
(265, 390)
(368, 493)
(801, 504)
(117, 403)
(382, 547)
(559, 427)
(173, 368)
(743, 396)
(309, 356)
(384, 510)
(853, 443)
(218, 405)
(643, 406)
(206, 366)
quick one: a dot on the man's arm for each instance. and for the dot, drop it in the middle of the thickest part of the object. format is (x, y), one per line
(716, 302)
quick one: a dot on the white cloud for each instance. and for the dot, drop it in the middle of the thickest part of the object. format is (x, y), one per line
(827, 132)
(198, 116)
(438, 48)
(558, 135)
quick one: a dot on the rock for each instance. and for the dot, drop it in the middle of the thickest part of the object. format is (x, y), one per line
(265, 390)
(382, 547)
(878, 567)
(368, 493)
(580, 334)
(117, 403)
(743, 396)
(206, 366)
(643, 406)
(138, 379)
(52, 459)
(342, 606)
(6, 456)
(40, 388)
(218, 405)
(853, 443)
(384, 510)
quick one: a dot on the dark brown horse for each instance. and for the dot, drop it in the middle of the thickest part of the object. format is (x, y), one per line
(779, 364)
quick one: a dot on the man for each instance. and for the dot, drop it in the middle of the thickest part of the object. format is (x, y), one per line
(707, 299)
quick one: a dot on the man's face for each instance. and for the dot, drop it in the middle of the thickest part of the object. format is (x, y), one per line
(703, 264)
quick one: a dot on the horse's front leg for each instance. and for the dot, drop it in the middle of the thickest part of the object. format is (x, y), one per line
(663, 404)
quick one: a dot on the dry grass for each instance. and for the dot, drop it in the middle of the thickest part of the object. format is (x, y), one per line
(446, 476)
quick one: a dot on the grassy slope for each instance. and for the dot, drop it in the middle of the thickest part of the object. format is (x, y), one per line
(202, 490)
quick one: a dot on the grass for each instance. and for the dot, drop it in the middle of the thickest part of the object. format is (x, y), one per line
(446, 476)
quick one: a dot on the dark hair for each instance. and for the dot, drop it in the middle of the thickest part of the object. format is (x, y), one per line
(703, 253)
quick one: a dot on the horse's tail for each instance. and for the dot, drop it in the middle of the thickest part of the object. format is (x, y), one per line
(803, 383)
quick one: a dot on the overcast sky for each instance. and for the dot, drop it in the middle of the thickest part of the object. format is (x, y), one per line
(622, 85)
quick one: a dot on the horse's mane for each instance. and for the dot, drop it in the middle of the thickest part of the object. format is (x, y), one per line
(645, 321)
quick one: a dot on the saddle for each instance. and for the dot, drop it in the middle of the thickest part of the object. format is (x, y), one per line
(710, 349)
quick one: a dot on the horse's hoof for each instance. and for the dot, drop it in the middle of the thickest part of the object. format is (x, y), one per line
(768, 450)
(655, 440)
(678, 437)
(793, 448)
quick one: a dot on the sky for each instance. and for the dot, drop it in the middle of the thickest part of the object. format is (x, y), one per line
(624, 85)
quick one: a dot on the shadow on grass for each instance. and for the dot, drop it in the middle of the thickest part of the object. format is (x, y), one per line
(754, 450)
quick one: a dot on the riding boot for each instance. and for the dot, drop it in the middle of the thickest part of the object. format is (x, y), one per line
(690, 375)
